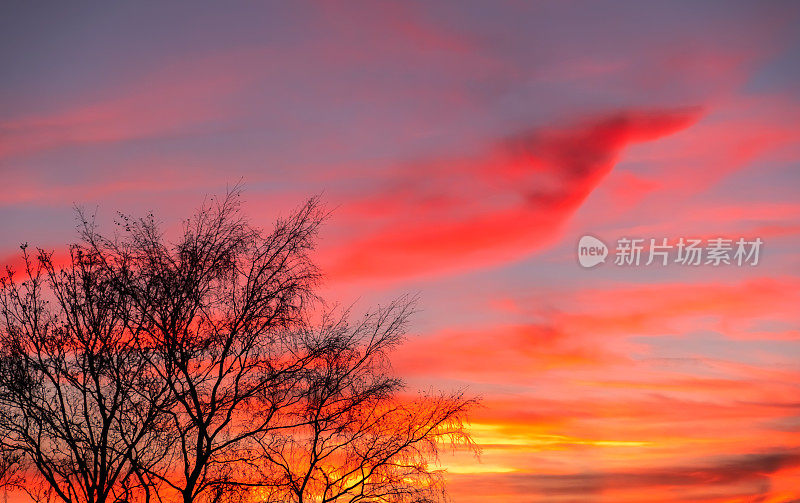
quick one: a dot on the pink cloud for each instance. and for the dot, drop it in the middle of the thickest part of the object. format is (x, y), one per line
(168, 101)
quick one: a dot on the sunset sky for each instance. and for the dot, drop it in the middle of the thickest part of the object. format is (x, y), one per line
(464, 148)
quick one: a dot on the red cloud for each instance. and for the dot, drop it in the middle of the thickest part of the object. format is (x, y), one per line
(510, 201)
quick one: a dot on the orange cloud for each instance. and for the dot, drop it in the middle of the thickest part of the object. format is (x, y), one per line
(579, 408)
(731, 478)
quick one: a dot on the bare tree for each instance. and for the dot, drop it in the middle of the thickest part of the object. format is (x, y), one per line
(190, 370)
(76, 400)
(355, 437)
(216, 314)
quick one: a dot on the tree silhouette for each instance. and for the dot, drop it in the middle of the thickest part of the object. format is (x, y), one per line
(76, 399)
(352, 437)
(191, 370)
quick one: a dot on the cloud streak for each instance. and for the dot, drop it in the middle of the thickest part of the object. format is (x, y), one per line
(459, 214)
